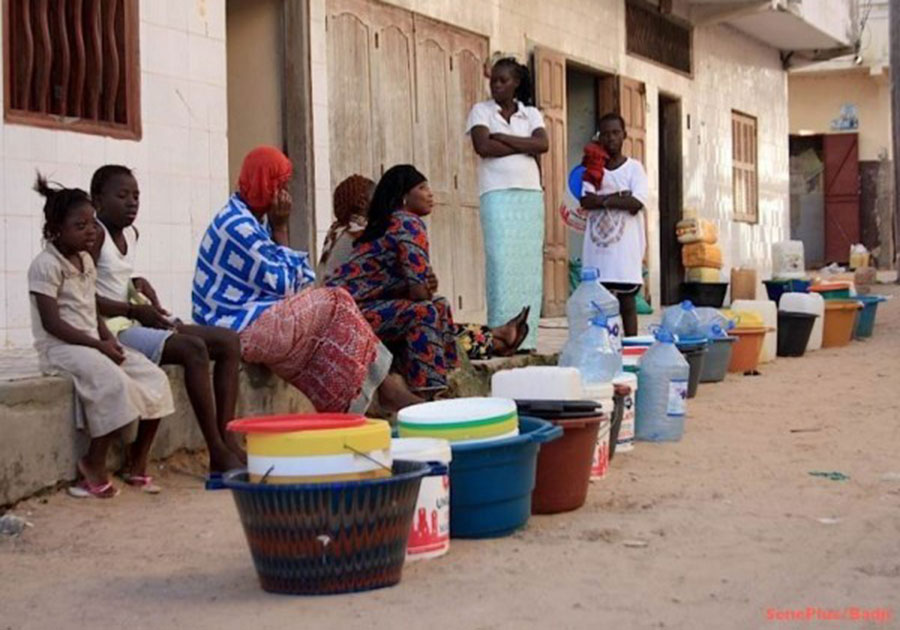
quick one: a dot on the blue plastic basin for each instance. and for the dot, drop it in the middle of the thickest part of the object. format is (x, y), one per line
(865, 323)
(775, 288)
(491, 483)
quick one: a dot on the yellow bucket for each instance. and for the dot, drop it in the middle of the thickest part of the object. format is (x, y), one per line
(313, 448)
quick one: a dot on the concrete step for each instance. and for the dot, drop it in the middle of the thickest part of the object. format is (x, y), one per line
(40, 444)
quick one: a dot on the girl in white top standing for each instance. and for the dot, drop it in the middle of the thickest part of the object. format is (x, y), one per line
(614, 241)
(508, 135)
(115, 385)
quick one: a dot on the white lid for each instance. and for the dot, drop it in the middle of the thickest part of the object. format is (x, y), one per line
(456, 410)
(421, 449)
(626, 378)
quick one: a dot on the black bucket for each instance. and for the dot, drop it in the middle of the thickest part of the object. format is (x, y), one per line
(793, 332)
(695, 354)
(704, 293)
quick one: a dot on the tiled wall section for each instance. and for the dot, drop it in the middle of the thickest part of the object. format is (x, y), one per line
(731, 72)
(181, 162)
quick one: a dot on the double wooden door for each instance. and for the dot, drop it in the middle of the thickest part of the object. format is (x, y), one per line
(400, 89)
(621, 94)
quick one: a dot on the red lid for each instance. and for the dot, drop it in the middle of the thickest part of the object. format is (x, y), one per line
(829, 286)
(296, 422)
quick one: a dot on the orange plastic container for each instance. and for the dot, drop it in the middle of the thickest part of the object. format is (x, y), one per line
(840, 317)
(746, 350)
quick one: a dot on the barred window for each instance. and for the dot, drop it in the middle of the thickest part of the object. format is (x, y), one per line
(73, 64)
(745, 182)
(657, 37)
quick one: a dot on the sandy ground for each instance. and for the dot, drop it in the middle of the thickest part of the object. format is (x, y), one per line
(732, 519)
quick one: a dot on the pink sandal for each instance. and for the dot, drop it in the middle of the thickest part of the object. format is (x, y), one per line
(143, 482)
(84, 489)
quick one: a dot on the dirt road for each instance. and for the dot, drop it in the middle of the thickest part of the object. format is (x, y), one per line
(736, 531)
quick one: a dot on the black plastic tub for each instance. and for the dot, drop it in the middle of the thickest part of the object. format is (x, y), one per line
(715, 365)
(695, 354)
(705, 293)
(793, 332)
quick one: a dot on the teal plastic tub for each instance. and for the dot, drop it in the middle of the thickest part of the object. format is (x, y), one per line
(865, 323)
(491, 482)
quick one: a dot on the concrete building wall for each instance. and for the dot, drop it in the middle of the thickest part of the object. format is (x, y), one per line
(816, 99)
(181, 161)
(731, 71)
(253, 40)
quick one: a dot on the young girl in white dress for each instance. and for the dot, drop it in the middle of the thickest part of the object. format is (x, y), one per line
(114, 385)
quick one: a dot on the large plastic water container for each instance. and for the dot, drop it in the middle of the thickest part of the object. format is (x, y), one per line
(682, 321)
(662, 391)
(812, 303)
(710, 318)
(589, 299)
(768, 311)
(787, 260)
(593, 354)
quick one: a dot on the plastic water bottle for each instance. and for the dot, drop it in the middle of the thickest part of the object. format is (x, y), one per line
(662, 391)
(710, 318)
(590, 299)
(681, 320)
(593, 354)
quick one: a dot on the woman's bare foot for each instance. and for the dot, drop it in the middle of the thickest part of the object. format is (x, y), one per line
(236, 446)
(224, 460)
(94, 474)
(394, 394)
(509, 336)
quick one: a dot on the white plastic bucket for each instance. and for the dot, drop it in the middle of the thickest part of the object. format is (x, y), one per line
(430, 534)
(600, 463)
(601, 393)
(625, 441)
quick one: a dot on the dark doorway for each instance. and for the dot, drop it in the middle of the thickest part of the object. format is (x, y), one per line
(670, 196)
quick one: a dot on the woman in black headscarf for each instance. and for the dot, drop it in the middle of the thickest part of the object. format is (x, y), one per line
(389, 275)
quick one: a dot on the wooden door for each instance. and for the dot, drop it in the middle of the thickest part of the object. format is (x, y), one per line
(632, 99)
(467, 87)
(448, 81)
(841, 152)
(550, 77)
(670, 199)
(633, 107)
(370, 87)
(432, 137)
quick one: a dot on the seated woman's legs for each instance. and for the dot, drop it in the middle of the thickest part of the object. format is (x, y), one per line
(190, 351)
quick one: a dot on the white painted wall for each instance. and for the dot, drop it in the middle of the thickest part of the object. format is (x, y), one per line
(181, 162)
(731, 71)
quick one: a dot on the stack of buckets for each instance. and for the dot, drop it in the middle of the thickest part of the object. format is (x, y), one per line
(702, 259)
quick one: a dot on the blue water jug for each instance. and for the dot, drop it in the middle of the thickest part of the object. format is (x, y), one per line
(593, 353)
(662, 391)
(590, 299)
(682, 321)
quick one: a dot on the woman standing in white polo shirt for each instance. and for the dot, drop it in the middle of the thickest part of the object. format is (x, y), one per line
(508, 135)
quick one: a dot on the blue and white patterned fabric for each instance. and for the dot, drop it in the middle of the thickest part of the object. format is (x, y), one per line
(241, 271)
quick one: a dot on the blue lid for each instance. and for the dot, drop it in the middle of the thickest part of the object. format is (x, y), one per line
(716, 331)
(576, 177)
(687, 305)
(663, 335)
(589, 274)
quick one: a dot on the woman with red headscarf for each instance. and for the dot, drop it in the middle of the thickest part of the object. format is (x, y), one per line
(248, 279)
